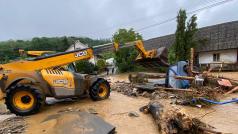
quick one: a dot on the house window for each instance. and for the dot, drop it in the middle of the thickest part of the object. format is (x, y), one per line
(216, 57)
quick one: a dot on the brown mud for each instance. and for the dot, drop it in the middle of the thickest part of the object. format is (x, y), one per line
(113, 110)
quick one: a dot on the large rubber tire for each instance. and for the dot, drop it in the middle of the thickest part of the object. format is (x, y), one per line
(34, 94)
(95, 91)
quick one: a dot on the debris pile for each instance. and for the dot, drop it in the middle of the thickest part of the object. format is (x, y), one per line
(213, 89)
(124, 88)
(13, 125)
(4, 110)
(171, 121)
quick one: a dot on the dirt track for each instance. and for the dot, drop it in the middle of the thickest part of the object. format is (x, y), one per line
(113, 110)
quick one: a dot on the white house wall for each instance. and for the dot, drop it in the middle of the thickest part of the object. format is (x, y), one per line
(228, 56)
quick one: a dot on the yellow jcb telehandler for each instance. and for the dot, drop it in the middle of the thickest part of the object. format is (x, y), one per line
(27, 83)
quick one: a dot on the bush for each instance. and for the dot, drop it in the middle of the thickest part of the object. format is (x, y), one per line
(85, 67)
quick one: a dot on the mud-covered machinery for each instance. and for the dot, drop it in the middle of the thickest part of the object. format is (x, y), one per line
(147, 58)
(27, 83)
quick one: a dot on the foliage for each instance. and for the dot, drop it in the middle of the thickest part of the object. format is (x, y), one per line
(171, 55)
(85, 67)
(58, 44)
(184, 37)
(108, 55)
(123, 36)
(101, 64)
(125, 56)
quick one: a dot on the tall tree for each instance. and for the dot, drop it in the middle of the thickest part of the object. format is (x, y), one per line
(184, 37)
(191, 30)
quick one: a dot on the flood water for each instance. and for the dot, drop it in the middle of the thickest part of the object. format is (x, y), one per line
(223, 117)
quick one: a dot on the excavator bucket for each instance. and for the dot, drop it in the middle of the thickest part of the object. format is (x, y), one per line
(157, 58)
(148, 58)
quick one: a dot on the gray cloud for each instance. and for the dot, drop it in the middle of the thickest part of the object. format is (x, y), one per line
(100, 19)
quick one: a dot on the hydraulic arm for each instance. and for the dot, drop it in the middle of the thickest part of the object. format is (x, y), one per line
(147, 58)
(49, 61)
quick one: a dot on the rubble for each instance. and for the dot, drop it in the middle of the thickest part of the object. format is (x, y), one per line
(13, 125)
(211, 90)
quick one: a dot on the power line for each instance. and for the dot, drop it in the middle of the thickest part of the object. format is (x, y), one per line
(210, 6)
(169, 19)
(190, 12)
(129, 22)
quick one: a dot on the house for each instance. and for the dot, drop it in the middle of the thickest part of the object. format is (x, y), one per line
(221, 46)
(217, 44)
(79, 45)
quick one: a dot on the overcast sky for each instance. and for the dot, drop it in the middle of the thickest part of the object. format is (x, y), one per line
(24, 19)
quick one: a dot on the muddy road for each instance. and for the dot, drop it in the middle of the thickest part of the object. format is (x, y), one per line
(113, 110)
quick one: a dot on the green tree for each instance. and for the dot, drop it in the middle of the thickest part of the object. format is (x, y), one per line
(184, 37)
(123, 36)
(125, 56)
(191, 30)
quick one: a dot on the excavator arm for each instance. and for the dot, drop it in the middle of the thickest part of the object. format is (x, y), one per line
(147, 58)
(50, 61)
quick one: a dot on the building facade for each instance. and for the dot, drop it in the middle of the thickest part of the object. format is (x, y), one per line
(216, 44)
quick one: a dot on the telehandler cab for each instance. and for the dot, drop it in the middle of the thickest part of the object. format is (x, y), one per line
(27, 83)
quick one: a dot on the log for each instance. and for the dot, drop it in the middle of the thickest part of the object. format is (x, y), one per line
(184, 77)
(174, 89)
(209, 130)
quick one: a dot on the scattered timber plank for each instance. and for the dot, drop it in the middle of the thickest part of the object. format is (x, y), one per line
(173, 89)
(184, 77)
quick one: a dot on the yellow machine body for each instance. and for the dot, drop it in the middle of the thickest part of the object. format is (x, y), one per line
(45, 72)
(26, 83)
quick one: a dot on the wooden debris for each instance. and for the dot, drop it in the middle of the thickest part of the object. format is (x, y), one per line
(171, 121)
(174, 89)
(184, 77)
